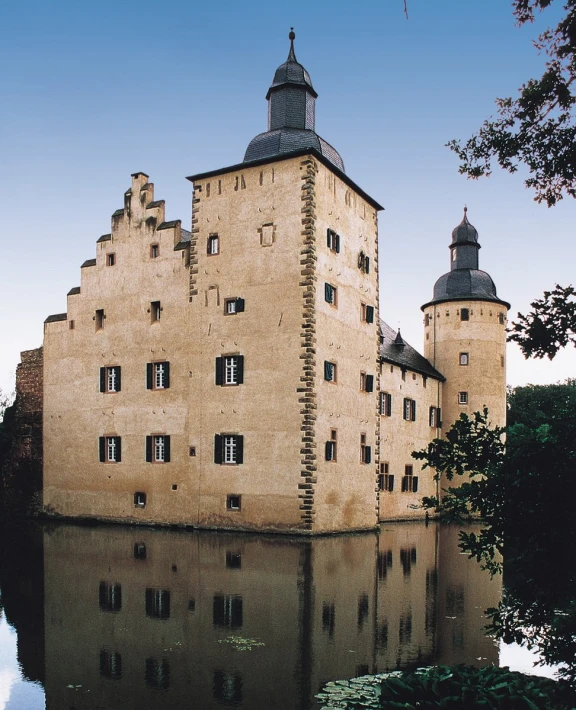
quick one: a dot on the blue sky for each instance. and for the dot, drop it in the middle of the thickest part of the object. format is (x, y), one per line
(92, 92)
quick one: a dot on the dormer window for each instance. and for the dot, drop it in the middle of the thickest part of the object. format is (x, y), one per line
(454, 254)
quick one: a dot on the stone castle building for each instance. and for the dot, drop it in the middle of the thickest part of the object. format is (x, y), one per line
(238, 375)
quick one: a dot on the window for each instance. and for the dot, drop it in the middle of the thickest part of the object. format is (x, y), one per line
(155, 311)
(333, 241)
(464, 314)
(462, 397)
(110, 379)
(110, 596)
(227, 611)
(158, 603)
(110, 664)
(157, 673)
(233, 502)
(367, 313)
(409, 409)
(501, 318)
(330, 371)
(227, 688)
(110, 449)
(435, 417)
(213, 245)
(365, 451)
(385, 478)
(139, 499)
(110, 259)
(71, 324)
(157, 375)
(427, 319)
(158, 448)
(463, 358)
(99, 318)
(233, 306)
(228, 449)
(328, 618)
(331, 450)
(409, 481)
(229, 370)
(233, 560)
(454, 254)
(330, 294)
(139, 550)
(366, 382)
(385, 406)
(154, 251)
(364, 263)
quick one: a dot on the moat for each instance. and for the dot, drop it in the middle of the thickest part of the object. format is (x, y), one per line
(126, 617)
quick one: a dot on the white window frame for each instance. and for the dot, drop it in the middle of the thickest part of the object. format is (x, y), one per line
(231, 306)
(230, 370)
(213, 244)
(111, 448)
(464, 359)
(111, 378)
(158, 448)
(462, 397)
(158, 375)
(229, 448)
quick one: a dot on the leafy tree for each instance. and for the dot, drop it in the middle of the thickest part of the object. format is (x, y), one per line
(551, 324)
(5, 401)
(538, 127)
(524, 493)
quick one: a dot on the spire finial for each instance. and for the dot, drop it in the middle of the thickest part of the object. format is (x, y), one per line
(291, 53)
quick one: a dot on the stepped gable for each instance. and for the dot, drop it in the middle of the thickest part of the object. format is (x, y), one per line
(395, 350)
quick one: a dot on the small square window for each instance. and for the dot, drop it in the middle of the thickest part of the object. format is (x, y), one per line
(501, 318)
(233, 306)
(234, 502)
(463, 358)
(155, 311)
(154, 251)
(139, 551)
(192, 451)
(213, 245)
(174, 486)
(462, 397)
(333, 241)
(99, 318)
(464, 314)
(110, 259)
(71, 324)
(140, 499)
(233, 560)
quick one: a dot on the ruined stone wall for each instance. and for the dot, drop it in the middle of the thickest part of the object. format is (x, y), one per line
(21, 469)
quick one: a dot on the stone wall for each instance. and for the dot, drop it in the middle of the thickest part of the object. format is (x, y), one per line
(21, 468)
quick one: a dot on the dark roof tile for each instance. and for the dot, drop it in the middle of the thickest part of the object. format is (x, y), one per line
(104, 238)
(89, 262)
(56, 317)
(169, 225)
(74, 291)
(395, 350)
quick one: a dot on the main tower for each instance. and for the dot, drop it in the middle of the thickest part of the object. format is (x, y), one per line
(465, 334)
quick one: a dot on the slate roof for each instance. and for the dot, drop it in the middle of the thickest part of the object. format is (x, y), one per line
(73, 291)
(465, 285)
(169, 225)
(184, 241)
(288, 140)
(89, 262)
(56, 317)
(404, 355)
(104, 238)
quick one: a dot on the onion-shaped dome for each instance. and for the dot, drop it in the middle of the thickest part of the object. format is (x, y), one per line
(465, 233)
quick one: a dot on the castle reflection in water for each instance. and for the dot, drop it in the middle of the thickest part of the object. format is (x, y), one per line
(144, 618)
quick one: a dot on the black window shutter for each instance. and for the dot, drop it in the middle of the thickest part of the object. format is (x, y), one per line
(239, 449)
(328, 239)
(102, 448)
(406, 412)
(327, 293)
(413, 410)
(369, 383)
(414, 484)
(118, 449)
(166, 449)
(118, 378)
(391, 482)
(328, 451)
(217, 448)
(149, 368)
(337, 238)
(239, 305)
(149, 449)
(367, 264)
(240, 369)
(368, 454)
(102, 379)
(389, 404)
(404, 484)
(369, 314)
(219, 367)
(438, 417)
(166, 375)
(327, 370)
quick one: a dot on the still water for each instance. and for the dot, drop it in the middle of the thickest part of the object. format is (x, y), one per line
(126, 618)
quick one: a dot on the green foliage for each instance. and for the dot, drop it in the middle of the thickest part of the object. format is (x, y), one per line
(472, 688)
(538, 127)
(6, 401)
(550, 325)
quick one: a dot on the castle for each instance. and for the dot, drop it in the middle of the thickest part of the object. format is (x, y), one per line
(238, 375)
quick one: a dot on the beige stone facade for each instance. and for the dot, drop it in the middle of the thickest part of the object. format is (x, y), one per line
(238, 376)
